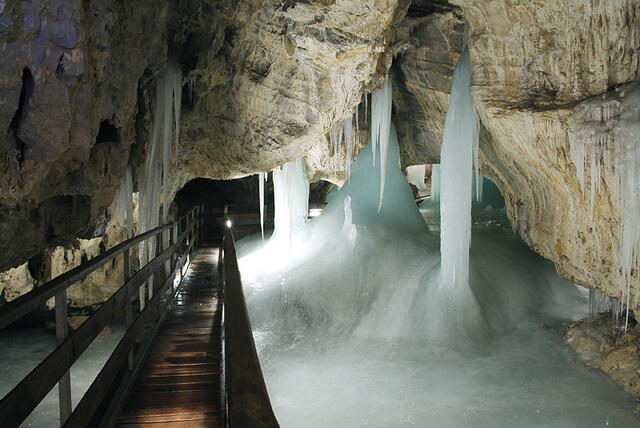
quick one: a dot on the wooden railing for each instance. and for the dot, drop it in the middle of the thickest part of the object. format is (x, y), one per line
(246, 397)
(152, 285)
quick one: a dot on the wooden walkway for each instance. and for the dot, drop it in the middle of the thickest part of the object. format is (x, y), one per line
(179, 383)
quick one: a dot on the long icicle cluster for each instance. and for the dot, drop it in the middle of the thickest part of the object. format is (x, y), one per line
(612, 140)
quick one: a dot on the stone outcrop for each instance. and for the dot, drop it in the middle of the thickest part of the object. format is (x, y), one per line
(601, 345)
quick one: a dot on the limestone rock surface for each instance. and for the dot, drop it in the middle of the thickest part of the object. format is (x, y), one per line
(603, 346)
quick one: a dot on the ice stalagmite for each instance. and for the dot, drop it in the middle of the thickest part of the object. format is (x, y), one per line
(380, 129)
(461, 132)
(262, 177)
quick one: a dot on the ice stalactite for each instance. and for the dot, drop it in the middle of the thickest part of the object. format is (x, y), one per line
(122, 208)
(610, 142)
(478, 187)
(155, 186)
(380, 130)
(347, 127)
(177, 110)
(291, 201)
(461, 132)
(628, 169)
(262, 178)
(600, 302)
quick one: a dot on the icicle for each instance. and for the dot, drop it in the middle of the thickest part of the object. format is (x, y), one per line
(380, 128)
(262, 177)
(366, 105)
(460, 134)
(478, 186)
(177, 110)
(155, 189)
(122, 208)
(594, 169)
(347, 126)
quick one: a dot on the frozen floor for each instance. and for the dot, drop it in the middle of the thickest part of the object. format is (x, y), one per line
(320, 372)
(21, 351)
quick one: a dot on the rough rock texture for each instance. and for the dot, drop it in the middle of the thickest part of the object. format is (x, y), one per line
(276, 76)
(15, 282)
(69, 77)
(540, 71)
(422, 76)
(601, 345)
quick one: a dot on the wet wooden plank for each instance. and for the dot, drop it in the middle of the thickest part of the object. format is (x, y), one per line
(179, 384)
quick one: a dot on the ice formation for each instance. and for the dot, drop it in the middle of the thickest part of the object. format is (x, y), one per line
(262, 178)
(347, 127)
(155, 186)
(291, 201)
(381, 101)
(415, 176)
(348, 311)
(352, 309)
(609, 142)
(461, 133)
(122, 207)
(435, 182)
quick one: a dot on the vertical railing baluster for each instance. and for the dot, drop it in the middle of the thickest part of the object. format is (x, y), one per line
(62, 332)
(128, 309)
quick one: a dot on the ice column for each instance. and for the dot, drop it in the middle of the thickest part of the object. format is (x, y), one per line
(291, 200)
(435, 182)
(461, 133)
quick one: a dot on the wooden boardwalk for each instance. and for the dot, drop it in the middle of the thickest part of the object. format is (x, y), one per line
(179, 383)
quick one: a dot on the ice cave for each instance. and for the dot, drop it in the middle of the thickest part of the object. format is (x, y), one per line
(320, 213)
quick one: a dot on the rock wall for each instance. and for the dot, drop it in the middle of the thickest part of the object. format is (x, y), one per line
(69, 77)
(541, 71)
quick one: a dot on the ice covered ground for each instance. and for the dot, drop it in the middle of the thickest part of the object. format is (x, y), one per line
(21, 351)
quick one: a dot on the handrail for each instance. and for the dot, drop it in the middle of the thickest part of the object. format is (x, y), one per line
(16, 405)
(247, 399)
(24, 304)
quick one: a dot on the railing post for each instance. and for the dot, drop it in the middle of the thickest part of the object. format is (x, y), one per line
(62, 332)
(128, 309)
